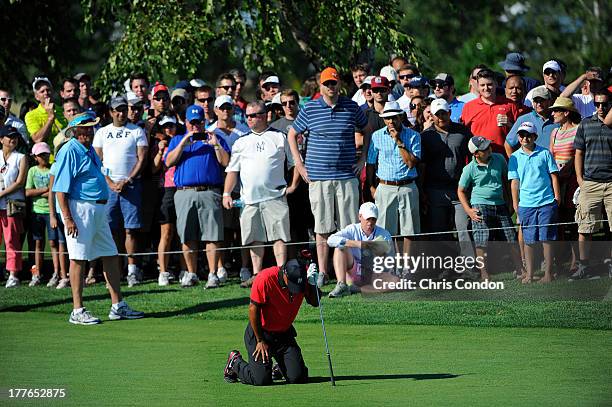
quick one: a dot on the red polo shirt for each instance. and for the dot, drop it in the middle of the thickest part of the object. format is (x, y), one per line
(481, 119)
(278, 308)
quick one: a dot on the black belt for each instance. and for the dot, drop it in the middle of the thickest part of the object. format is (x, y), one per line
(199, 188)
(397, 183)
(101, 201)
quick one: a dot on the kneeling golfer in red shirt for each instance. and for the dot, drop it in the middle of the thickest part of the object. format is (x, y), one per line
(276, 297)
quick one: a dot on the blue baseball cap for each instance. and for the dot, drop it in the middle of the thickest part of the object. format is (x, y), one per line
(194, 112)
(418, 82)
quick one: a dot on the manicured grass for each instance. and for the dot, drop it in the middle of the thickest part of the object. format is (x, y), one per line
(560, 304)
(179, 362)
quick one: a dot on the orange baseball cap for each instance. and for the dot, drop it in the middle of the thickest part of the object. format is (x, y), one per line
(329, 74)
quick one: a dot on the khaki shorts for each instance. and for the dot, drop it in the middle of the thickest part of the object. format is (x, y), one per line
(398, 209)
(266, 221)
(334, 204)
(594, 197)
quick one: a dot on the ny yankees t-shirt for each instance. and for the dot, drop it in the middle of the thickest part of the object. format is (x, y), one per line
(260, 160)
(120, 148)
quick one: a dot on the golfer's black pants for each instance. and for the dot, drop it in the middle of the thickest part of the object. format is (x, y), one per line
(283, 348)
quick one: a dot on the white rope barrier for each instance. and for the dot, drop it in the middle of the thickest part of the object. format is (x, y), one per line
(220, 249)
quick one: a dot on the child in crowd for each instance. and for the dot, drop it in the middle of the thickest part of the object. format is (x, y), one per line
(60, 280)
(486, 180)
(37, 188)
(535, 196)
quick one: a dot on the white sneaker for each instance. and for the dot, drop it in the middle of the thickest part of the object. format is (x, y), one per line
(340, 290)
(83, 318)
(189, 280)
(12, 282)
(35, 280)
(132, 279)
(245, 274)
(182, 275)
(53, 281)
(63, 283)
(222, 274)
(213, 281)
(163, 279)
(124, 312)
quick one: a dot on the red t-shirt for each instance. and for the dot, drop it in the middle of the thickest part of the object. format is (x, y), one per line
(278, 308)
(481, 119)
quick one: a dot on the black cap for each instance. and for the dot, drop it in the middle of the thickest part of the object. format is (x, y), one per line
(296, 276)
(8, 131)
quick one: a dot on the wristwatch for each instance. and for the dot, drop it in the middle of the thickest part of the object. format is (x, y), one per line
(401, 145)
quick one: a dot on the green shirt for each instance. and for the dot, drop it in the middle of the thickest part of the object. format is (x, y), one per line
(36, 119)
(39, 178)
(486, 181)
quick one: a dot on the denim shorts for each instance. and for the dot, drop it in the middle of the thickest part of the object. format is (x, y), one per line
(125, 208)
(40, 222)
(532, 220)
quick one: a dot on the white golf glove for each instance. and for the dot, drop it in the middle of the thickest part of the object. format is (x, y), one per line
(336, 241)
(312, 274)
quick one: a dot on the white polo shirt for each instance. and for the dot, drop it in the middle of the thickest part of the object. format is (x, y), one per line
(260, 160)
(120, 148)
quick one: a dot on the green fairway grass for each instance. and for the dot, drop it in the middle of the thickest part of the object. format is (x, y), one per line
(542, 345)
(179, 362)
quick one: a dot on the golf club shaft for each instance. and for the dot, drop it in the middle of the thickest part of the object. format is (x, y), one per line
(331, 370)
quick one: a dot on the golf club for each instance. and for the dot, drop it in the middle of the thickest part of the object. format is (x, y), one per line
(313, 266)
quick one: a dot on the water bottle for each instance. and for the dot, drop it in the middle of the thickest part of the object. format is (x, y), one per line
(238, 203)
(2, 182)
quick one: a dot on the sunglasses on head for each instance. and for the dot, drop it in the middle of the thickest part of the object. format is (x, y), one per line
(330, 84)
(407, 76)
(254, 115)
(206, 100)
(289, 103)
(227, 87)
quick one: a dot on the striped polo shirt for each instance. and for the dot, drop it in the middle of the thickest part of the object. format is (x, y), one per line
(563, 147)
(331, 151)
(595, 139)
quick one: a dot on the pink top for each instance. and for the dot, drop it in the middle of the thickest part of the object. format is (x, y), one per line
(563, 144)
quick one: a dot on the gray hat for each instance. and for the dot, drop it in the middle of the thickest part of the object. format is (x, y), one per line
(118, 101)
(478, 143)
(540, 92)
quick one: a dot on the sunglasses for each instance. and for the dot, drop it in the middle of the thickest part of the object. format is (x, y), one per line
(330, 84)
(162, 98)
(178, 101)
(12, 136)
(227, 88)
(289, 103)
(413, 106)
(206, 100)
(525, 135)
(4, 100)
(196, 122)
(254, 115)
(408, 76)
(269, 86)
(601, 104)
(134, 108)
(380, 90)
(550, 72)
(440, 85)
(121, 109)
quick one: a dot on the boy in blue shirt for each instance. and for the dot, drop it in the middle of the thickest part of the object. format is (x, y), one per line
(535, 196)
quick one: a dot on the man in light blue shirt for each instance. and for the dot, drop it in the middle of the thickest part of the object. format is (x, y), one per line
(82, 193)
(540, 116)
(347, 263)
(396, 150)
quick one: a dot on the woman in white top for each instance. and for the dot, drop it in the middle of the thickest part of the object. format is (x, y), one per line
(13, 174)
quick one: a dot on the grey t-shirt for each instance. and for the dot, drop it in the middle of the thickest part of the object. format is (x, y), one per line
(444, 155)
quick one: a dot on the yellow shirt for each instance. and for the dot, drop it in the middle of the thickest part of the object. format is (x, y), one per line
(37, 118)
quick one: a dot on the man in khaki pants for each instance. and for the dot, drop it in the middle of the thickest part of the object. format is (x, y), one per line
(331, 163)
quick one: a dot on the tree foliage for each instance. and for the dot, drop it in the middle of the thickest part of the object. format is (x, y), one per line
(162, 37)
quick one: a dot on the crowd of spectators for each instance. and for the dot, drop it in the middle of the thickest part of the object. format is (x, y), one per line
(198, 163)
